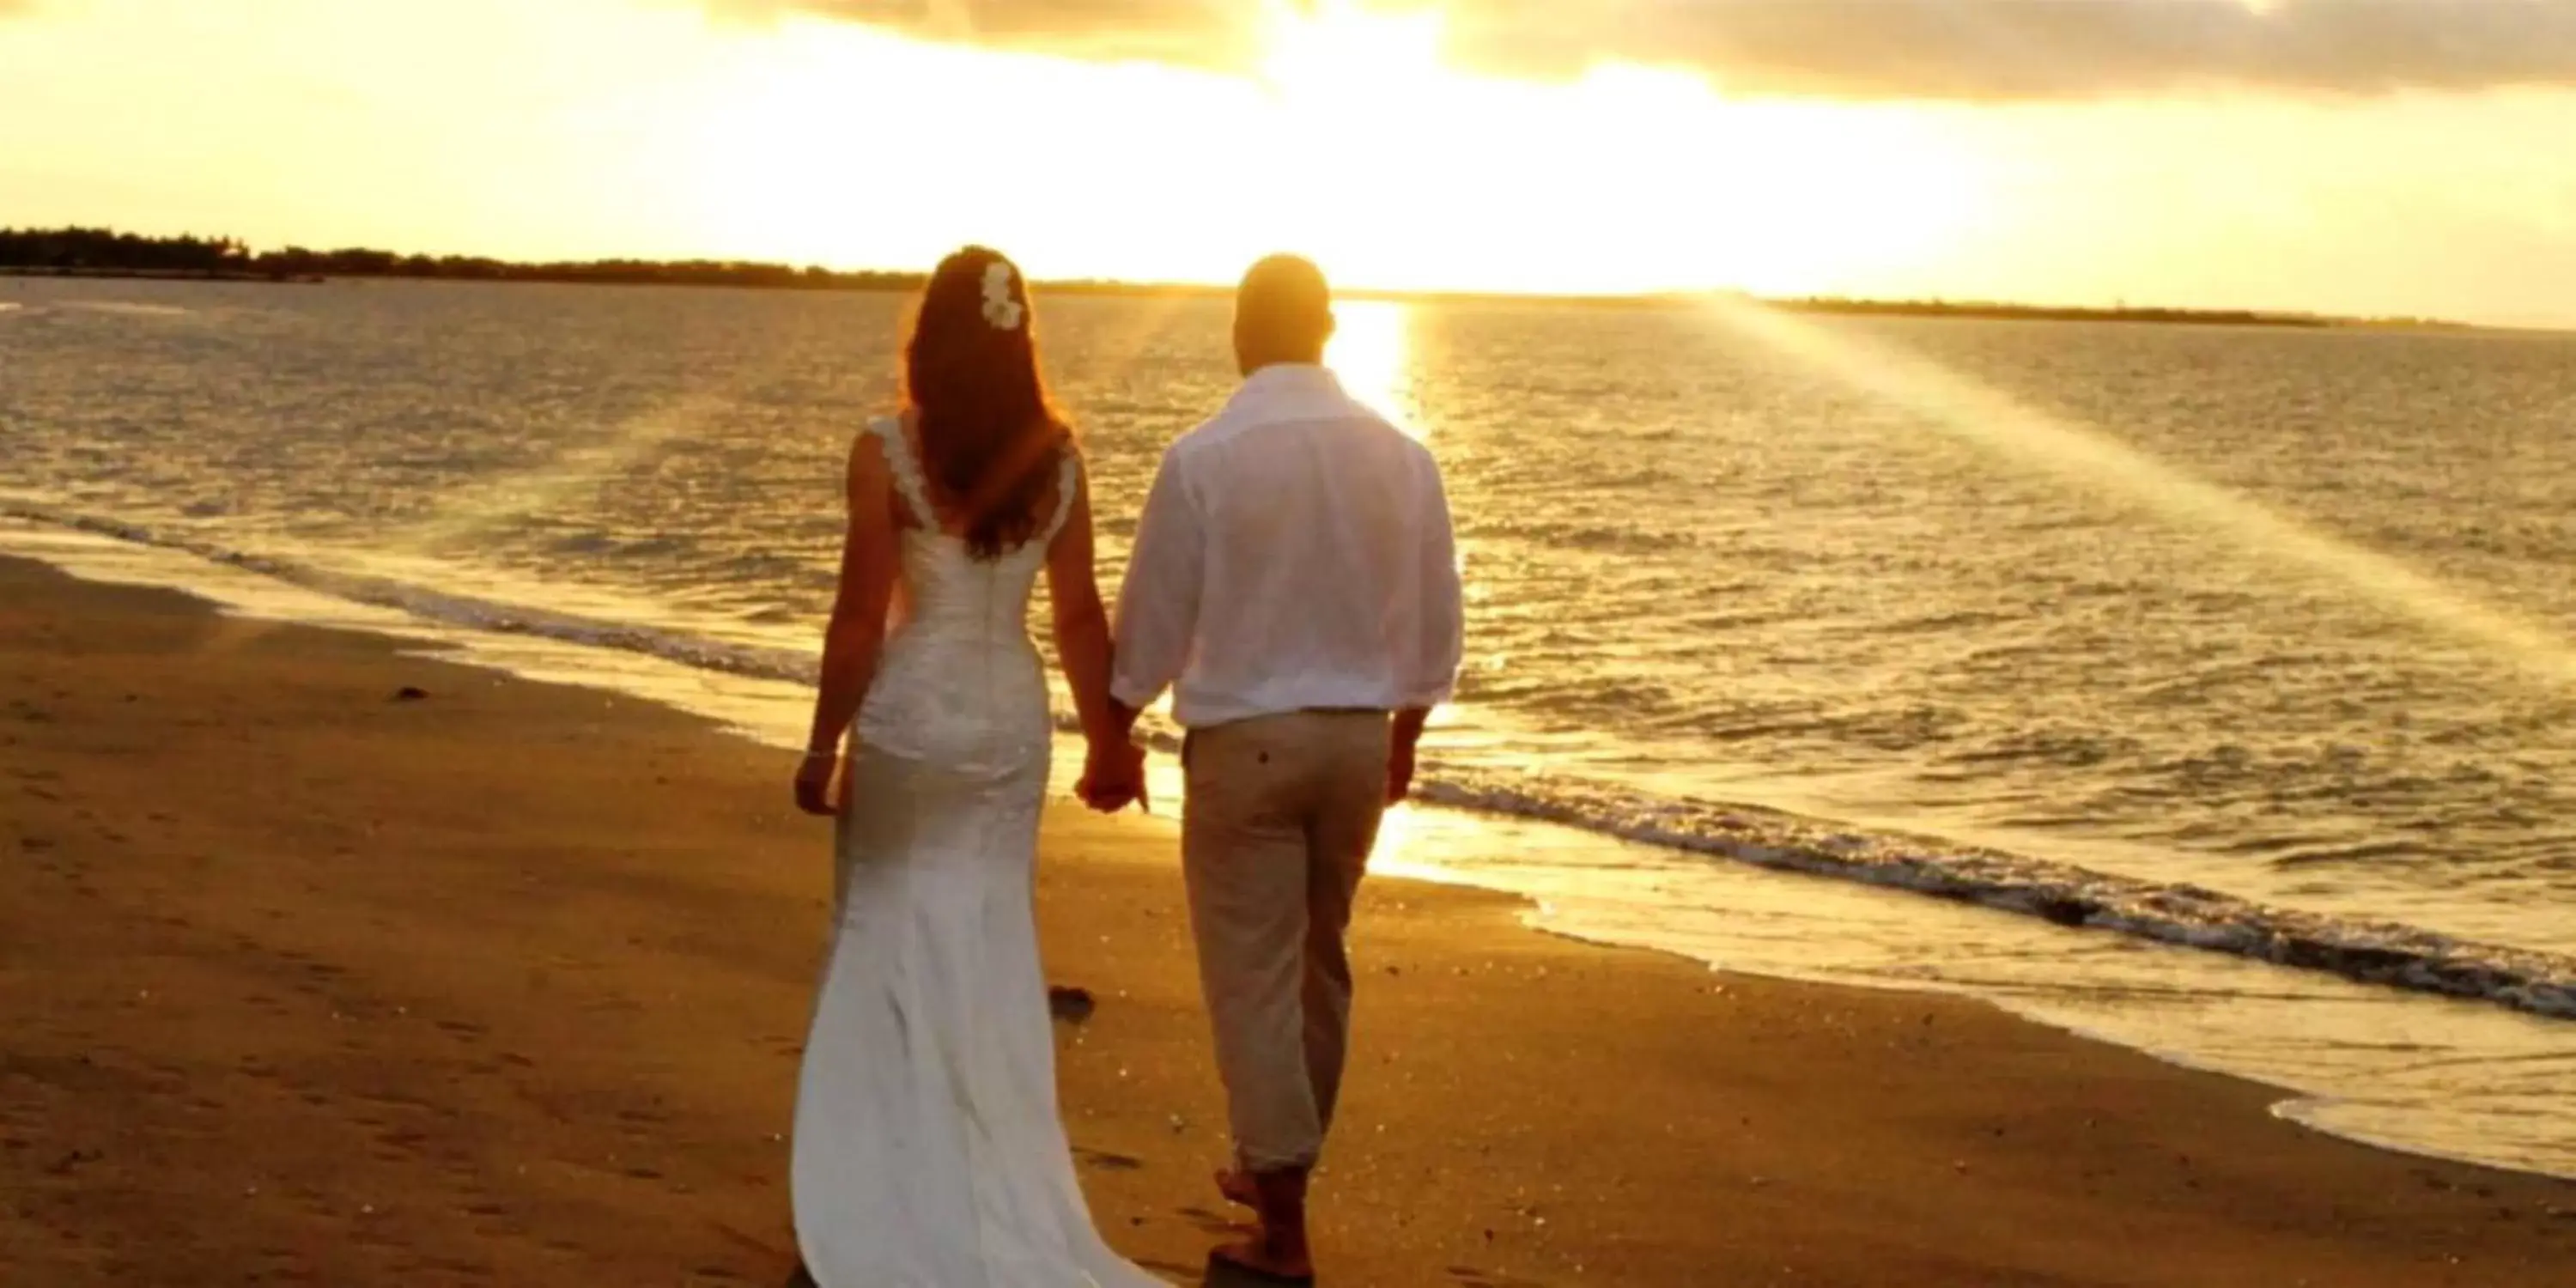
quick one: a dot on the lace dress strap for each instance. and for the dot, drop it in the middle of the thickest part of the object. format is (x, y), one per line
(906, 469)
(1068, 485)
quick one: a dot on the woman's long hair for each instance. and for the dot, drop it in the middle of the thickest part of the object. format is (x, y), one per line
(991, 440)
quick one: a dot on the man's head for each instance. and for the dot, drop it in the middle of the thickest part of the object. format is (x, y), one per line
(1283, 312)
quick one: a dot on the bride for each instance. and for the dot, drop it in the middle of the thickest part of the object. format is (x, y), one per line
(928, 1151)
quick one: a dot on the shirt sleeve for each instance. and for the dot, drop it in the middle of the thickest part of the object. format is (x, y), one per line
(1434, 676)
(1158, 601)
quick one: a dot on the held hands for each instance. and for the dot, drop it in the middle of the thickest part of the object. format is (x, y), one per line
(1113, 777)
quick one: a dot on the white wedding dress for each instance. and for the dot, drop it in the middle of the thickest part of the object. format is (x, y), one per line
(928, 1150)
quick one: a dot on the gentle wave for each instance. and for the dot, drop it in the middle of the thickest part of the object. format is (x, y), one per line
(447, 607)
(118, 308)
(2185, 915)
(2384, 953)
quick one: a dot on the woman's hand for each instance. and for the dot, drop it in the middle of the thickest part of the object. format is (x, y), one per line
(814, 783)
(1113, 778)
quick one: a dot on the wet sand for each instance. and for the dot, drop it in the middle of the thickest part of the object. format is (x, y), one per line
(306, 981)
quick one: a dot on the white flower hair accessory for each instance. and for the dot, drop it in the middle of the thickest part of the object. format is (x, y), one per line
(1001, 312)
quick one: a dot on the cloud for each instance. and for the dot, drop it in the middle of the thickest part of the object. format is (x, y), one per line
(1195, 33)
(2009, 49)
(1924, 49)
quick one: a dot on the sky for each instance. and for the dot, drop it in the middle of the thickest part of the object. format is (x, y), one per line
(2378, 157)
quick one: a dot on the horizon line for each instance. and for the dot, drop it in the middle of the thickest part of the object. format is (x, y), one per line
(230, 258)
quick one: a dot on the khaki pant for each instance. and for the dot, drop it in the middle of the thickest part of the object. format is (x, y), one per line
(1275, 834)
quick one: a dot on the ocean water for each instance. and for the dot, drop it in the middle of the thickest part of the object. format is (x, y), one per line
(2220, 680)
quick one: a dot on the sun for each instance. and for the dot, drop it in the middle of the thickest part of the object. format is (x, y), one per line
(1420, 174)
(1352, 135)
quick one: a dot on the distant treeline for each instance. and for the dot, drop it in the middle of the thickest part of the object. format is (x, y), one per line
(2118, 313)
(2050, 313)
(98, 252)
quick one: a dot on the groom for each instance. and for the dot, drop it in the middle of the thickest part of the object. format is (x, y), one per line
(1295, 582)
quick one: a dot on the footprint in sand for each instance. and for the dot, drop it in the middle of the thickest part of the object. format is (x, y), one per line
(73, 1161)
(642, 1125)
(1470, 1277)
(407, 1141)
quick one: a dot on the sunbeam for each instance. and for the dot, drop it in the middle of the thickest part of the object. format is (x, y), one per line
(512, 497)
(2092, 457)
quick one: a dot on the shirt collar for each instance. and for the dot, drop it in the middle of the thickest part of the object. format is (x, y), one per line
(1290, 379)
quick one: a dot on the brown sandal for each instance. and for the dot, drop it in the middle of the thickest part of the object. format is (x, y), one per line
(1238, 1268)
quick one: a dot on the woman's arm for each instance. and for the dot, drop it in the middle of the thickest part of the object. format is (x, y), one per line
(857, 631)
(1082, 645)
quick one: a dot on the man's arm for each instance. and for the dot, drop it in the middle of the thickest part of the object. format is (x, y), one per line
(1442, 644)
(1158, 601)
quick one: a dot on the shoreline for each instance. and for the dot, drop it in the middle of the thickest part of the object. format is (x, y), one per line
(461, 988)
(2215, 1012)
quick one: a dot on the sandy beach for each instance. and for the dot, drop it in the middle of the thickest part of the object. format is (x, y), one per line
(327, 964)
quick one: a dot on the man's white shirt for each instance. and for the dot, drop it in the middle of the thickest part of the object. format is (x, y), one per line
(1295, 554)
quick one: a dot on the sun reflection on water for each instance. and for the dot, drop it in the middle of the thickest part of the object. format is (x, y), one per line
(1372, 352)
